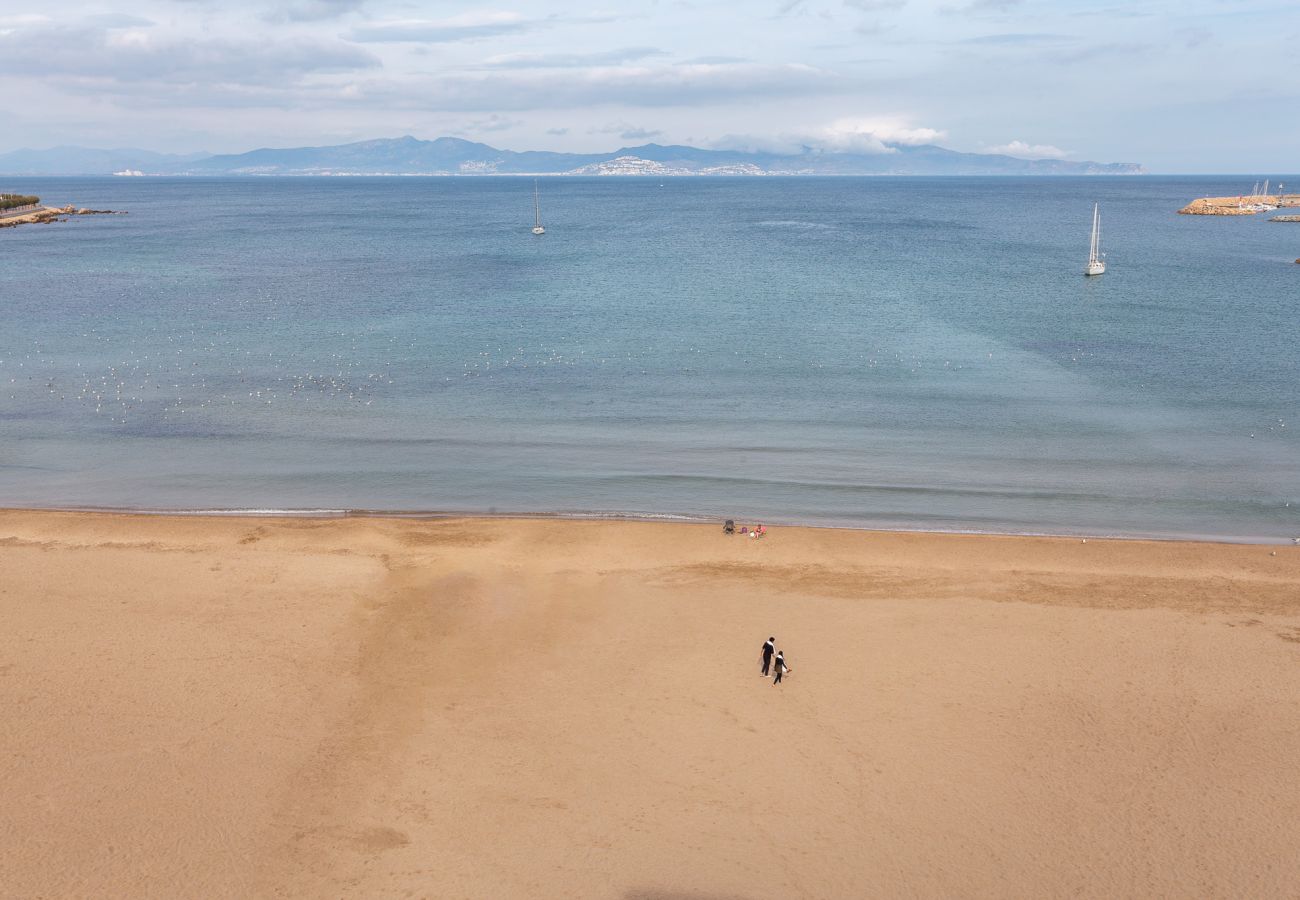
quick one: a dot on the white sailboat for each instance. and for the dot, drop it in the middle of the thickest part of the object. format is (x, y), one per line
(537, 212)
(1096, 259)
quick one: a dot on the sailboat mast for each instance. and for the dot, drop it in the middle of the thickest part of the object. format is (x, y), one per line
(537, 210)
(1095, 264)
(1096, 224)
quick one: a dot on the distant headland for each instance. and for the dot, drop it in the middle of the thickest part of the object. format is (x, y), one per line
(454, 156)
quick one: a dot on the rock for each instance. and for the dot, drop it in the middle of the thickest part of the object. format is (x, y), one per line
(46, 215)
(1217, 206)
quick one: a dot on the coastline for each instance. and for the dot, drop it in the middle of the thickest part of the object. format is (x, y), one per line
(468, 707)
(646, 517)
(47, 215)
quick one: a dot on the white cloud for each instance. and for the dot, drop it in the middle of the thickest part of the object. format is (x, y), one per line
(1023, 150)
(570, 60)
(464, 27)
(469, 26)
(875, 135)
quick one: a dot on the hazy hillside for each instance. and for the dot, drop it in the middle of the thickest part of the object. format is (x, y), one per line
(409, 156)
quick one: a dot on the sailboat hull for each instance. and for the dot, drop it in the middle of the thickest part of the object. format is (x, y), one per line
(538, 229)
(1095, 269)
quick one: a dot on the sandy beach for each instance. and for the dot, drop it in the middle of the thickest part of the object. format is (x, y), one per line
(471, 708)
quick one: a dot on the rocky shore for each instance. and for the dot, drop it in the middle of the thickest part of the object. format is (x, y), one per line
(47, 214)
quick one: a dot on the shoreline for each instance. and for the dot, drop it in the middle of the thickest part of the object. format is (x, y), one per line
(329, 513)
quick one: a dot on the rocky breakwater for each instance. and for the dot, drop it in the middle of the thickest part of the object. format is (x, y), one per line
(47, 214)
(1238, 206)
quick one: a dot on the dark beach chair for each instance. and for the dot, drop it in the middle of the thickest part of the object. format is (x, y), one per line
(729, 527)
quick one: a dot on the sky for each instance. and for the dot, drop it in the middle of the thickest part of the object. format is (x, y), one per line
(1177, 85)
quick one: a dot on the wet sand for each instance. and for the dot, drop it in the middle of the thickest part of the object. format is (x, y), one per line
(531, 708)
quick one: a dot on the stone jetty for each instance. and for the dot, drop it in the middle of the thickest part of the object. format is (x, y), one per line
(45, 214)
(1238, 206)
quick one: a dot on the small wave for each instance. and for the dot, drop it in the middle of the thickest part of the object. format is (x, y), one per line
(795, 223)
(234, 512)
(1006, 493)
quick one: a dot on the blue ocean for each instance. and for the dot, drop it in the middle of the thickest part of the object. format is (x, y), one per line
(912, 353)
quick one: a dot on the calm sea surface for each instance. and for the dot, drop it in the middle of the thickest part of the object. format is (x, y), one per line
(907, 353)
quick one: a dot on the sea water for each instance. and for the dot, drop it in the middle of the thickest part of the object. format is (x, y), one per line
(878, 352)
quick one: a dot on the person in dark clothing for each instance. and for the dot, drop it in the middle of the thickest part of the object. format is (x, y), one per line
(768, 649)
(780, 668)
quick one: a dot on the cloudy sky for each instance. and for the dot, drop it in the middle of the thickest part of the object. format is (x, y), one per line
(1179, 85)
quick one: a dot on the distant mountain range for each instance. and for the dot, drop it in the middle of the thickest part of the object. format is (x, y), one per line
(453, 156)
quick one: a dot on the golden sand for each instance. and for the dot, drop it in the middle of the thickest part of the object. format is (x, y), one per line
(224, 707)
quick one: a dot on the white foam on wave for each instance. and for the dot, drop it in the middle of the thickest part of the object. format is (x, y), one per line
(795, 223)
(605, 515)
(233, 512)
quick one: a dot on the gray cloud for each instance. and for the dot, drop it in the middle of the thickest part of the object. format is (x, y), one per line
(1013, 39)
(571, 60)
(78, 53)
(715, 60)
(1115, 49)
(493, 123)
(977, 7)
(782, 145)
(1196, 37)
(476, 90)
(313, 10)
(631, 86)
(876, 5)
(626, 132)
(118, 20)
(442, 31)
(871, 28)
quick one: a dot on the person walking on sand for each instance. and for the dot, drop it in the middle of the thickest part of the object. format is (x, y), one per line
(780, 668)
(768, 649)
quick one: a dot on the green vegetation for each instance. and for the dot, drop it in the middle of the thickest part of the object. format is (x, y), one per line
(12, 201)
